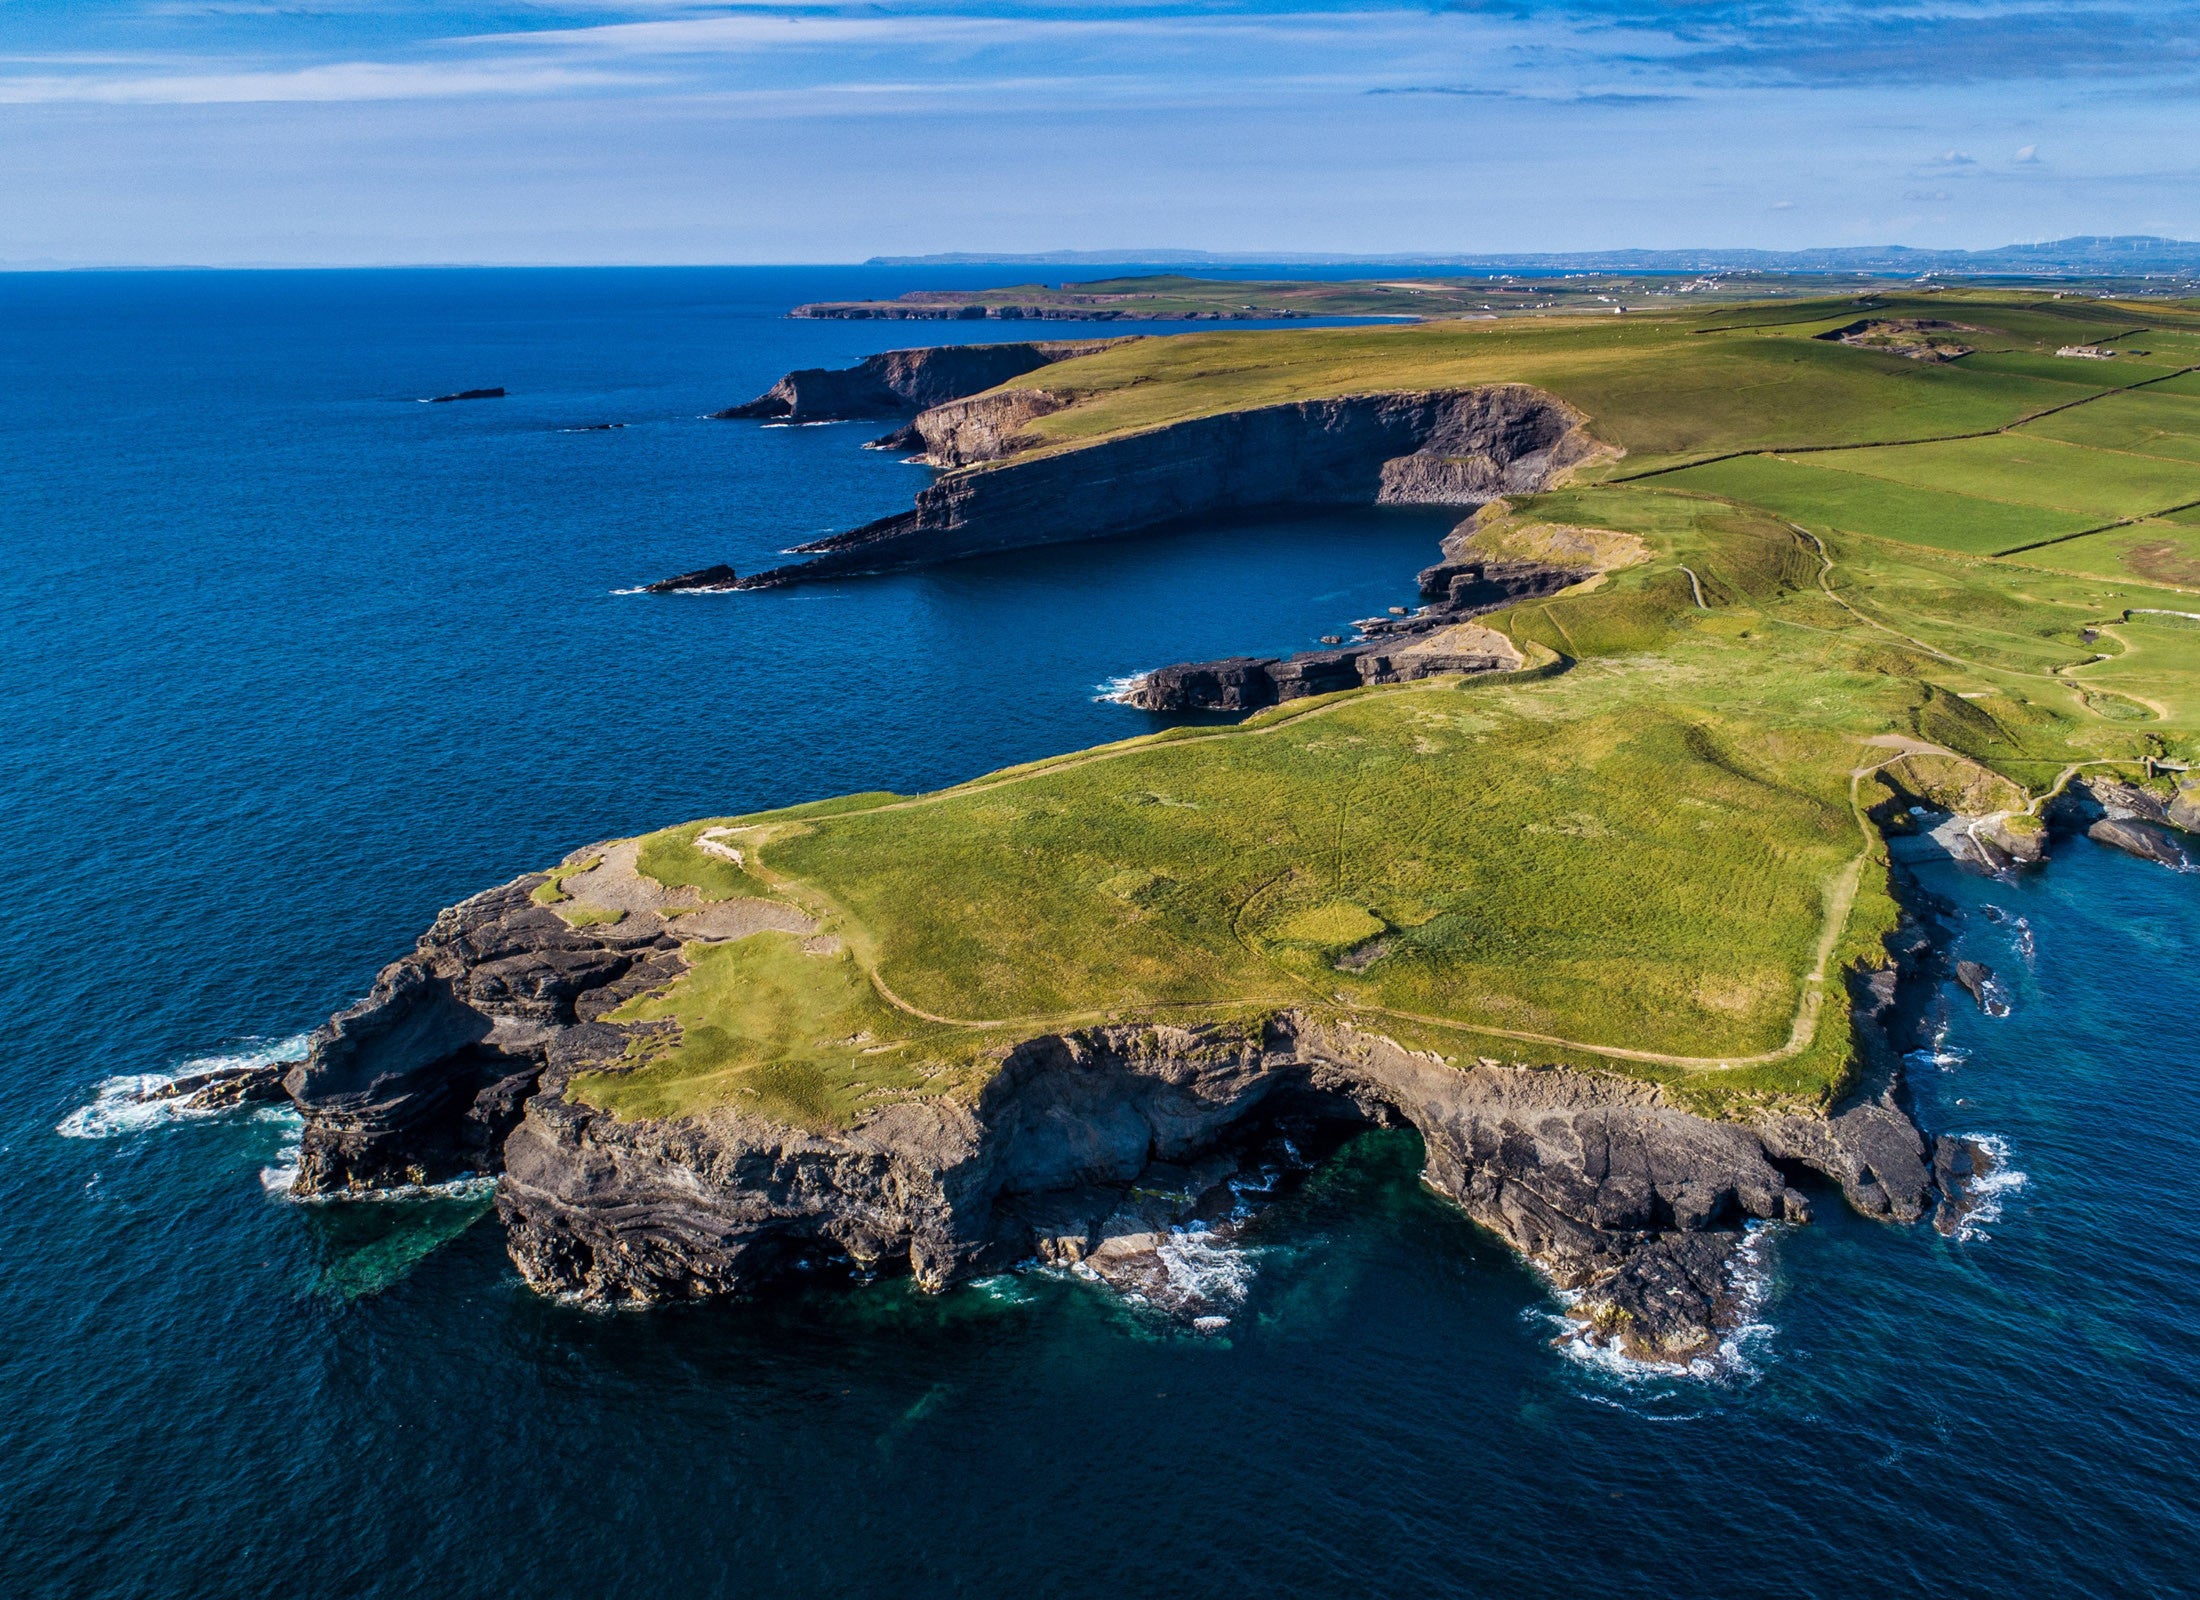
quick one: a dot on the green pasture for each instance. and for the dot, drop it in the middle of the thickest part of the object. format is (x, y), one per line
(1631, 865)
(1854, 502)
(2160, 551)
(2029, 469)
(2155, 421)
(1649, 384)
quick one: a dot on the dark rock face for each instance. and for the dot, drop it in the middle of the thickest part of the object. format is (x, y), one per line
(1458, 590)
(1960, 1166)
(1311, 453)
(1238, 683)
(2150, 841)
(1611, 1191)
(1981, 985)
(704, 580)
(461, 1057)
(898, 381)
(903, 438)
(223, 1087)
(424, 1077)
(2151, 821)
(468, 394)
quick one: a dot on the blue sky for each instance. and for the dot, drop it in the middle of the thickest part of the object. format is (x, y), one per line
(325, 131)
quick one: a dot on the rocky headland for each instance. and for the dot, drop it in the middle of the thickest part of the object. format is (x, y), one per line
(898, 382)
(1437, 639)
(1104, 1148)
(1087, 1146)
(1446, 448)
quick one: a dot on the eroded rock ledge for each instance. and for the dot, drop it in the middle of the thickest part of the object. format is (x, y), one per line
(1438, 638)
(462, 1056)
(1460, 447)
(896, 382)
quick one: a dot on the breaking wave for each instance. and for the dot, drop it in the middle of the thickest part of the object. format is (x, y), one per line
(1937, 1052)
(1737, 1358)
(1984, 1194)
(118, 1107)
(278, 1178)
(1116, 691)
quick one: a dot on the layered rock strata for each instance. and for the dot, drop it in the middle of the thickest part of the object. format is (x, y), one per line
(462, 1059)
(1448, 447)
(896, 382)
(2155, 822)
(1433, 640)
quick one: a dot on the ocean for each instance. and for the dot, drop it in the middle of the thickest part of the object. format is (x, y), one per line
(293, 660)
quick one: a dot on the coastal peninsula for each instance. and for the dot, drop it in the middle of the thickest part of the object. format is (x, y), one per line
(1581, 871)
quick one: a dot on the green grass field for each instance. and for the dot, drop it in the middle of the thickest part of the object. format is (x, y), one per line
(1652, 862)
(2028, 469)
(1812, 489)
(2155, 421)
(2158, 551)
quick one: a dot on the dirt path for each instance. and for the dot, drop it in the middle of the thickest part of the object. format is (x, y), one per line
(1840, 893)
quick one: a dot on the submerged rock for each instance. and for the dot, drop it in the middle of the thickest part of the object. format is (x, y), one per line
(468, 394)
(1979, 982)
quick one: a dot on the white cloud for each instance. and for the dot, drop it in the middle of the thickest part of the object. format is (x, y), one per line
(2029, 156)
(339, 81)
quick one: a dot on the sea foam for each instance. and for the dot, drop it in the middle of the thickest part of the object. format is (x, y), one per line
(1985, 1193)
(117, 1108)
(1737, 1358)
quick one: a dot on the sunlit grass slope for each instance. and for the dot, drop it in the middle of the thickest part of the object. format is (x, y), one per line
(1652, 862)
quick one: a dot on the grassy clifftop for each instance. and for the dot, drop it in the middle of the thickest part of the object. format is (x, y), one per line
(1653, 863)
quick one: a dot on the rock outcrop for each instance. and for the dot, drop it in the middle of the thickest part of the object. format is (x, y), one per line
(703, 580)
(1913, 338)
(423, 1078)
(1436, 639)
(1468, 445)
(2155, 821)
(463, 1056)
(900, 381)
(222, 1087)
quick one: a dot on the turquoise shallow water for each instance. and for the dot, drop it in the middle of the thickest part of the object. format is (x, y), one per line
(291, 661)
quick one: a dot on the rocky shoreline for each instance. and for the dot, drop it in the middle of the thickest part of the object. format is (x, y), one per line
(1436, 639)
(1460, 448)
(1087, 1147)
(1105, 1149)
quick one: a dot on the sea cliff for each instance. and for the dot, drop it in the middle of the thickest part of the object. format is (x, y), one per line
(1447, 447)
(463, 1057)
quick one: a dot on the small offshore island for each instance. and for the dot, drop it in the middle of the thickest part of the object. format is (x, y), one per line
(1581, 871)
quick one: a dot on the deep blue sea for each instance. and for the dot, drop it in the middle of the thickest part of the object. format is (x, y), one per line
(292, 660)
